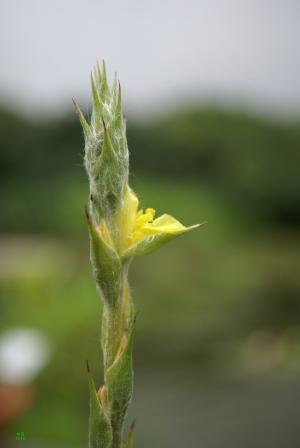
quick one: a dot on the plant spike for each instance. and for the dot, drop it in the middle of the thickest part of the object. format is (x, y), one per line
(118, 232)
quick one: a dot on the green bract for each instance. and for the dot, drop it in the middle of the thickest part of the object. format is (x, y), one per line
(106, 152)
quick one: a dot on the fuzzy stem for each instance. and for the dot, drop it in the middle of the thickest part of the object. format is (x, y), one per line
(115, 322)
(112, 325)
(117, 438)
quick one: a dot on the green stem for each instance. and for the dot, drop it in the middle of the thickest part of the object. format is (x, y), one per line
(117, 437)
(112, 329)
(115, 323)
(115, 320)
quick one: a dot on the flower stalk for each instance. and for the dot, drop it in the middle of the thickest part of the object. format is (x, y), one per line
(118, 232)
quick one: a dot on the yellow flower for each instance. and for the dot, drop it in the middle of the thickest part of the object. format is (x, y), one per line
(139, 233)
(140, 230)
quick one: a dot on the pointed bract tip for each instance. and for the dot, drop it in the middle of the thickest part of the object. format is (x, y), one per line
(132, 426)
(87, 215)
(77, 108)
(130, 435)
(97, 72)
(75, 105)
(196, 226)
(93, 84)
(104, 125)
(82, 119)
(88, 367)
(202, 223)
(103, 72)
(134, 319)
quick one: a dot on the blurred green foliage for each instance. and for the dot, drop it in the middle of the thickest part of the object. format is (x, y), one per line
(222, 302)
(252, 162)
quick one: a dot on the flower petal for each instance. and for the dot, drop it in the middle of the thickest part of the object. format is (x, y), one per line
(153, 241)
(127, 217)
(166, 224)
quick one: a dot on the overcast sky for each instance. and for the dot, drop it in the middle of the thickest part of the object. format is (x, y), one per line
(243, 51)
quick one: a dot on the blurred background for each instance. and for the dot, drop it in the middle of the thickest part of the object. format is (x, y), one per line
(211, 93)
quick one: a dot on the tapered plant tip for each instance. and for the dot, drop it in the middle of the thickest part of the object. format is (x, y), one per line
(119, 99)
(134, 319)
(129, 440)
(98, 68)
(93, 76)
(97, 74)
(96, 99)
(202, 223)
(88, 366)
(132, 426)
(87, 215)
(103, 68)
(116, 78)
(84, 123)
(77, 108)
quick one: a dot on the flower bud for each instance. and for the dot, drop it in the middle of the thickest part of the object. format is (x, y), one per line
(106, 153)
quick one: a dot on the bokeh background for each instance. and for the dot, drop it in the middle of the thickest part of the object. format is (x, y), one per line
(211, 92)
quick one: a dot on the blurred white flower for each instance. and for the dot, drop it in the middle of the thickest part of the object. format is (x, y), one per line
(23, 354)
